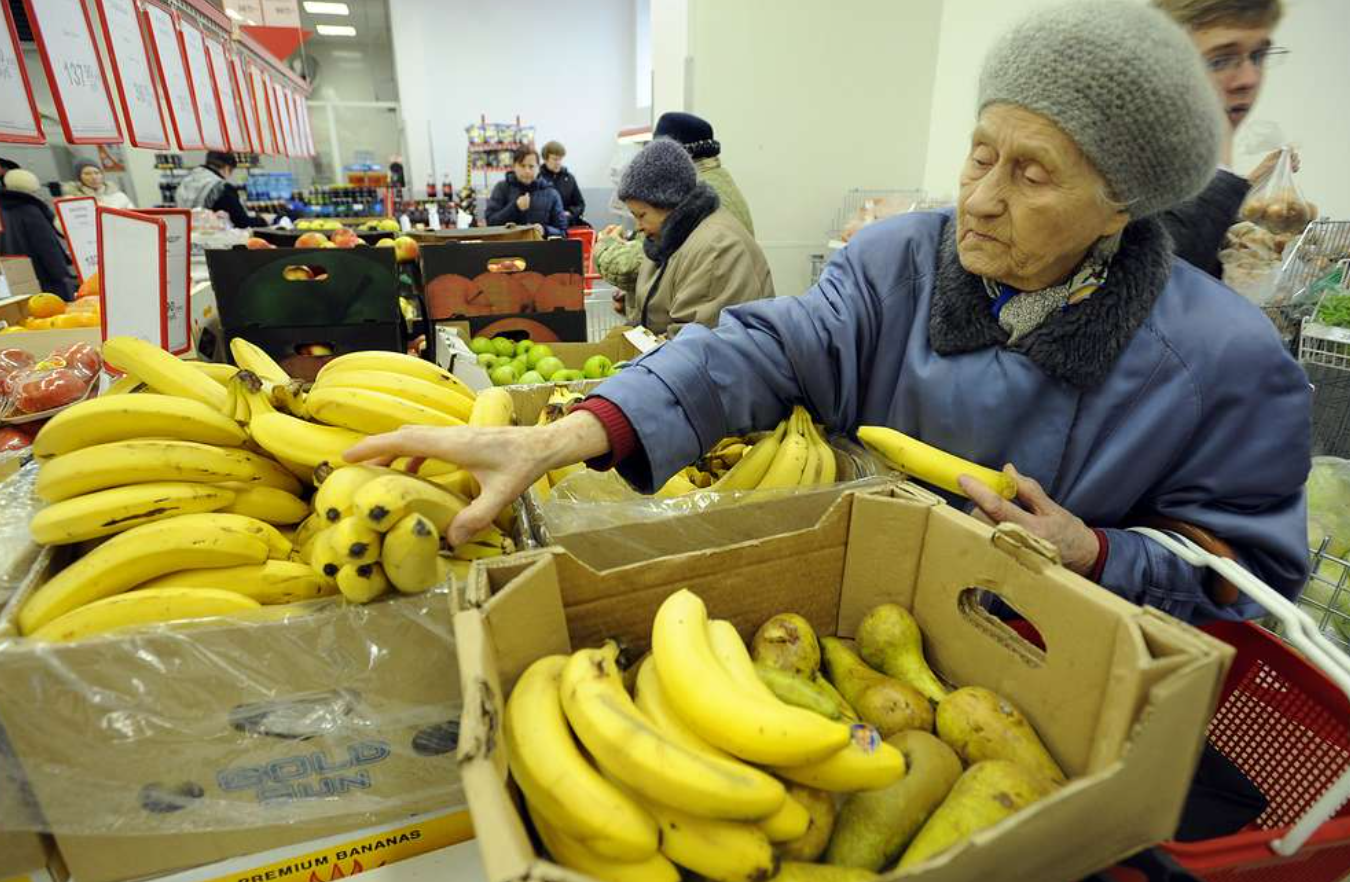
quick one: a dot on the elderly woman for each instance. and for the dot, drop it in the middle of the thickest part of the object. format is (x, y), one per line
(697, 256)
(89, 181)
(1045, 323)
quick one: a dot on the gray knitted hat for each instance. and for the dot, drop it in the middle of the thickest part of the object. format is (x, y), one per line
(1126, 84)
(662, 174)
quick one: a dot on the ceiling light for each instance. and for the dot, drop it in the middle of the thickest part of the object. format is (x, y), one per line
(347, 53)
(326, 8)
(336, 30)
(234, 15)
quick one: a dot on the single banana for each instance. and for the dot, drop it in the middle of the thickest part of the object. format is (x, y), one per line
(278, 546)
(461, 482)
(652, 701)
(740, 721)
(576, 856)
(435, 396)
(789, 462)
(493, 407)
(393, 362)
(750, 470)
(256, 393)
(308, 529)
(294, 440)
(252, 358)
(929, 464)
(811, 472)
(163, 372)
(123, 385)
(355, 541)
(265, 471)
(221, 373)
(629, 747)
(720, 851)
(266, 504)
(136, 462)
(324, 558)
(291, 398)
(678, 485)
(139, 555)
(558, 781)
(788, 823)
(150, 606)
(829, 465)
(362, 410)
(124, 417)
(362, 583)
(411, 555)
(269, 583)
(105, 512)
(435, 468)
(563, 395)
(389, 498)
(477, 551)
(333, 501)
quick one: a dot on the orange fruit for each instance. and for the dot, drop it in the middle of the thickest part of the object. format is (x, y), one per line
(37, 324)
(89, 287)
(45, 305)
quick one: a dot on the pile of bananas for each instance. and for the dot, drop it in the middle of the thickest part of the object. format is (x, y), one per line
(194, 502)
(560, 402)
(796, 454)
(718, 765)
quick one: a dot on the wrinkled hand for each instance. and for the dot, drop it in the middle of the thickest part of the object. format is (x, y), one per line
(613, 231)
(1039, 515)
(523, 203)
(619, 306)
(504, 460)
(1257, 176)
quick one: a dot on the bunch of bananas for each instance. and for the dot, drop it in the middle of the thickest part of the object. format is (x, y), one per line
(795, 454)
(192, 495)
(690, 771)
(560, 402)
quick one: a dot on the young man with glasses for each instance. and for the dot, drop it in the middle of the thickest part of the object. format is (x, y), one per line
(1234, 38)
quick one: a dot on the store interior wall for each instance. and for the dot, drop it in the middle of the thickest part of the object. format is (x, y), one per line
(567, 70)
(810, 103)
(1287, 111)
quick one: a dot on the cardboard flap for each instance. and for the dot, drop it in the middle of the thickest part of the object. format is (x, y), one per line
(527, 617)
(885, 546)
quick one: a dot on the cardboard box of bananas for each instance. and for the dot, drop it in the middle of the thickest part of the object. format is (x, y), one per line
(748, 764)
(191, 491)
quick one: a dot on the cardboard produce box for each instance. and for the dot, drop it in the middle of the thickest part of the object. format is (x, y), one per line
(18, 282)
(168, 748)
(1121, 695)
(533, 289)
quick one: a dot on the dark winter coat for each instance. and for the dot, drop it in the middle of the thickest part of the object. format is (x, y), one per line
(574, 204)
(29, 232)
(546, 207)
(1197, 227)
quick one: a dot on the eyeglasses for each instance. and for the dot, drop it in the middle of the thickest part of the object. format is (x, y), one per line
(1272, 56)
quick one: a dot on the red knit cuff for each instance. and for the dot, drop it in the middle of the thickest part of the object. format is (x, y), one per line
(1103, 552)
(622, 439)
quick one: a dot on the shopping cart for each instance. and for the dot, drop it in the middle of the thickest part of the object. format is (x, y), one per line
(1284, 720)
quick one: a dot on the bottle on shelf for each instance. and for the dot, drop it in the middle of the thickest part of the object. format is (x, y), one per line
(431, 186)
(447, 188)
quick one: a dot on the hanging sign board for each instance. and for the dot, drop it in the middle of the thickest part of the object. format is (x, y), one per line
(178, 276)
(250, 114)
(169, 59)
(203, 88)
(20, 122)
(77, 216)
(288, 114)
(278, 120)
(229, 106)
(261, 107)
(306, 145)
(133, 275)
(65, 42)
(130, 63)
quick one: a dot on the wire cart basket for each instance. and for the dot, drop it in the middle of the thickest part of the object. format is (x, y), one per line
(1284, 720)
(1319, 248)
(1324, 351)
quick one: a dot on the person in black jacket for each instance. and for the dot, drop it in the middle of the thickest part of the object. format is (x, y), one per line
(29, 231)
(1234, 39)
(524, 199)
(208, 186)
(557, 174)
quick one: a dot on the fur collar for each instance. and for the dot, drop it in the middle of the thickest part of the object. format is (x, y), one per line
(680, 223)
(1080, 345)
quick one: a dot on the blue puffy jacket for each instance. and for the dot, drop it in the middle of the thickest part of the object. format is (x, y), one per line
(1163, 393)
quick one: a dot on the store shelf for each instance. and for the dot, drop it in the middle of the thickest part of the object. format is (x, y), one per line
(494, 148)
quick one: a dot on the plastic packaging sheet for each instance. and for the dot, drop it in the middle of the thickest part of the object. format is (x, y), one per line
(290, 715)
(18, 553)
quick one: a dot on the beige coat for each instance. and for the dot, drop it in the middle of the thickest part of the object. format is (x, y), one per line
(719, 265)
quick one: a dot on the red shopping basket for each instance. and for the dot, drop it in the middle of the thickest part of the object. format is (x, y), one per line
(1287, 727)
(586, 236)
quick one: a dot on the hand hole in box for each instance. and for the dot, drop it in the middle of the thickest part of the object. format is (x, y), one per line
(506, 265)
(301, 273)
(989, 612)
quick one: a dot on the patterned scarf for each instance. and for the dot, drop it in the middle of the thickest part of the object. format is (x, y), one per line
(1021, 312)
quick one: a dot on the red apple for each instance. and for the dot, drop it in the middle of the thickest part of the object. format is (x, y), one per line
(405, 249)
(311, 240)
(256, 244)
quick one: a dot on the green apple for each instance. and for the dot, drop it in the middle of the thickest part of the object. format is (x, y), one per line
(538, 353)
(481, 345)
(548, 367)
(487, 360)
(504, 346)
(519, 364)
(531, 378)
(503, 375)
(568, 375)
(524, 346)
(596, 367)
(389, 225)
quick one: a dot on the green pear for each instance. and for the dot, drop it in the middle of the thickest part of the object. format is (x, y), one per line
(811, 844)
(888, 704)
(787, 642)
(889, 640)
